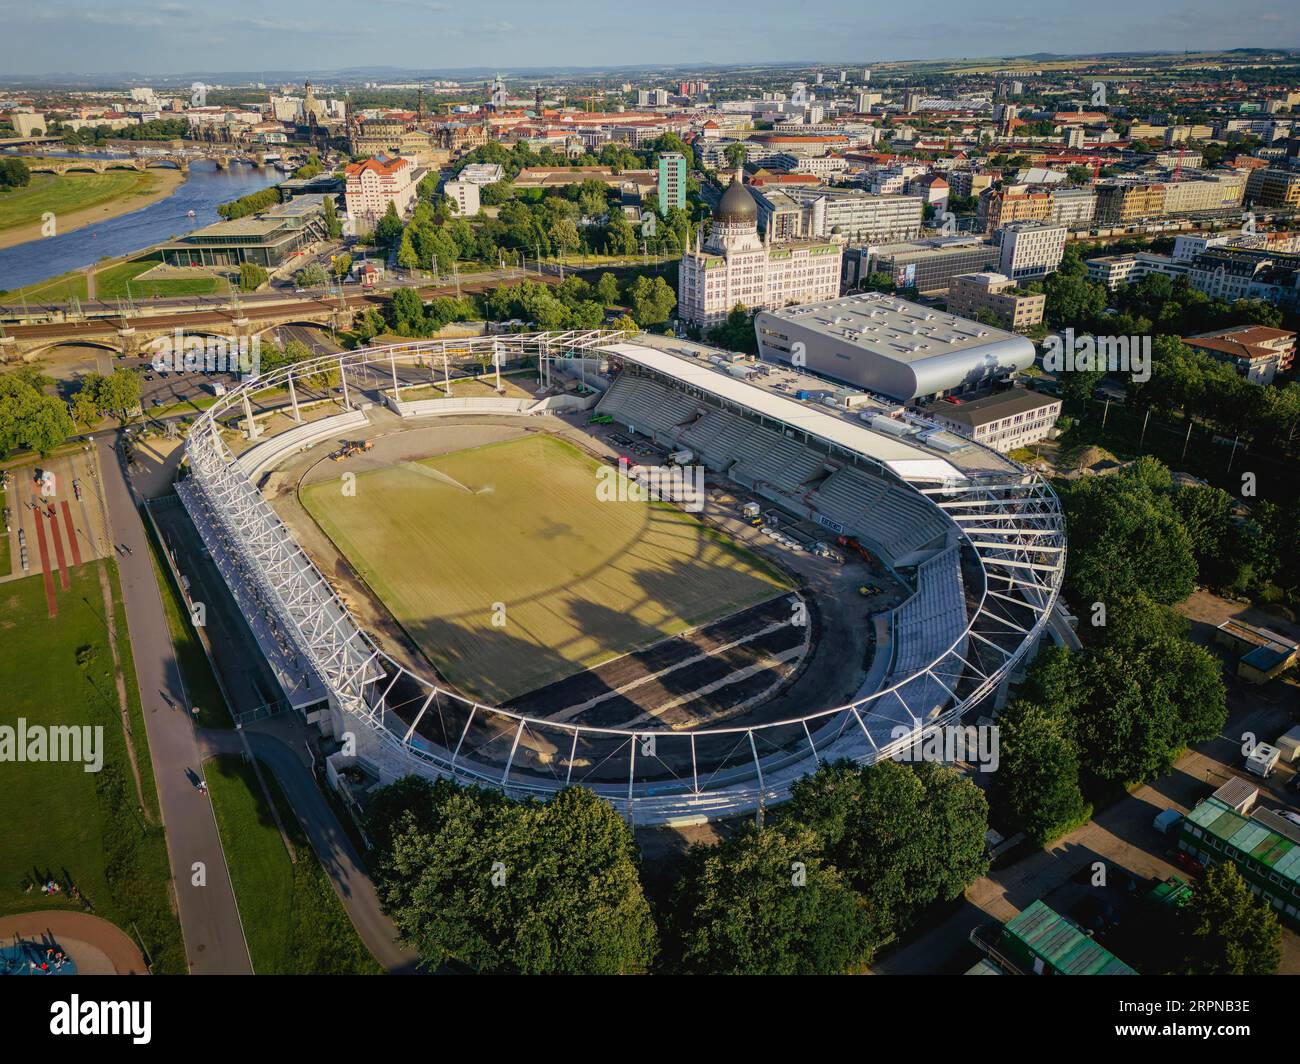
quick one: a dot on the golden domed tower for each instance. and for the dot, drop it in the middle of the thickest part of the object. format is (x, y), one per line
(310, 105)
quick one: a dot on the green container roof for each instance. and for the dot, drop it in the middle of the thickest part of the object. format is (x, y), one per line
(1061, 945)
(1247, 836)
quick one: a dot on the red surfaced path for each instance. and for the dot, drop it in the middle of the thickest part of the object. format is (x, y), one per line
(45, 562)
(58, 551)
(72, 535)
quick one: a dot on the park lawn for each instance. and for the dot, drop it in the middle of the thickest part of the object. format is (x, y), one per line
(200, 684)
(509, 572)
(61, 289)
(112, 282)
(292, 917)
(65, 193)
(60, 821)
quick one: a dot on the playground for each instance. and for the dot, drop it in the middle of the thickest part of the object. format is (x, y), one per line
(66, 943)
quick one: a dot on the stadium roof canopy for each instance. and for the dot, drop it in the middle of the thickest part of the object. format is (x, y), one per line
(906, 460)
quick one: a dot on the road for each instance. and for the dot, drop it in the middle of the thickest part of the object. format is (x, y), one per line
(337, 855)
(214, 938)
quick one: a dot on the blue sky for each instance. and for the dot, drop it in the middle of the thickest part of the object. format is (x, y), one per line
(175, 36)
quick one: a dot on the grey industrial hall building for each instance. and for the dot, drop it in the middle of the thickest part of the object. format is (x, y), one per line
(891, 346)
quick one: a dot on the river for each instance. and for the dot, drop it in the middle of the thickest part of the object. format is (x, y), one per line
(202, 192)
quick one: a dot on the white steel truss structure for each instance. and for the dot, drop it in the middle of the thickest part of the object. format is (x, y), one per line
(1009, 525)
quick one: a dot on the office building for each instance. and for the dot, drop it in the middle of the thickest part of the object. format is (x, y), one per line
(735, 266)
(1005, 421)
(268, 239)
(1274, 188)
(482, 173)
(928, 266)
(464, 195)
(995, 295)
(1030, 250)
(856, 216)
(1263, 846)
(1123, 204)
(1073, 208)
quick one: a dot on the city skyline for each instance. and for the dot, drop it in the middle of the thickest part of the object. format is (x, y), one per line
(166, 39)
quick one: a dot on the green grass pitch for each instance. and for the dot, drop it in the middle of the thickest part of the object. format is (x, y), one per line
(509, 573)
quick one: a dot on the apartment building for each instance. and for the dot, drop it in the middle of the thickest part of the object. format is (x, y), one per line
(1230, 273)
(1116, 270)
(672, 181)
(967, 182)
(1122, 204)
(1016, 203)
(372, 185)
(1030, 250)
(1255, 352)
(995, 296)
(1074, 208)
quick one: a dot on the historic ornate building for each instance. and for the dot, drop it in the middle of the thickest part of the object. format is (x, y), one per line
(736, 266)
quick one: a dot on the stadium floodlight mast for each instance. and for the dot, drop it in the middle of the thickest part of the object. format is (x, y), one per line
(1008, 523)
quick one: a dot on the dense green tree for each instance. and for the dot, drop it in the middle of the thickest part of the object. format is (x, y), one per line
(251, 276)
(607, 289)
(406, 312)
(906, 836)
(1226, 930)
(14, 173)
(764, 902)
(406, 255)
(1125, 539)
(1036, 786)
(28, 417)
(652, 301)
(503, 886)
(389, 230)
(312, 276)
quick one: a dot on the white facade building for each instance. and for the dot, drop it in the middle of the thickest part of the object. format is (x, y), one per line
(735, 266)
(1030, 250)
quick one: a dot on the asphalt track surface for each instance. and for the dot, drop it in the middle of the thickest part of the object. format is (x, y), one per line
(214, 937)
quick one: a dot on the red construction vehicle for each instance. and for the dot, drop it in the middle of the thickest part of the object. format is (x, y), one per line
(852, 544)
